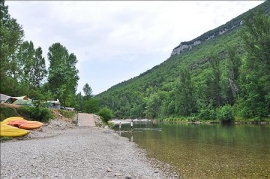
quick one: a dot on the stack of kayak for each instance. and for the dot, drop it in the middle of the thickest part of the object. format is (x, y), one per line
(18, 126)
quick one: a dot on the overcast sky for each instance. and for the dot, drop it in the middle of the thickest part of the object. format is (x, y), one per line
(118, 40)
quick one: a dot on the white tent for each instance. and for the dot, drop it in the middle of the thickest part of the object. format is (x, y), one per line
(3, 97)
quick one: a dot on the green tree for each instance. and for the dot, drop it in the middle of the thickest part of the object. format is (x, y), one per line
(11, 37)
(255, 78)
(87, 91)
(39, 68)
(152, 106)
(233, 72)
(80, 101)
(91, 105)
(26, 63)
(105, 114)
(63, 75)
(214, 87)
(186, 99)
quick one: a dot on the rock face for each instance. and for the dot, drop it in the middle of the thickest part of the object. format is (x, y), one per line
(229, 26)
(185, 46)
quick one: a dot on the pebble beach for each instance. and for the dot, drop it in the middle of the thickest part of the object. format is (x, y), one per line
(63, 150)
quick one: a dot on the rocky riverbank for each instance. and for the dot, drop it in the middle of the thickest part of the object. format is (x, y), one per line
(61, 149)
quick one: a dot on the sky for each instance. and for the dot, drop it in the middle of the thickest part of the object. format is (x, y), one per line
(115, 41)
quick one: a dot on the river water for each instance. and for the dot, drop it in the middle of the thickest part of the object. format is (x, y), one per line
(206, 150)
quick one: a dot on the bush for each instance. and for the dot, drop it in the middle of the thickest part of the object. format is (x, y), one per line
(39, 113)
(225, 114)
(24, 112)
(207, 114)
(68, 114)
(111, 124)
(7, 112)
(105, 114)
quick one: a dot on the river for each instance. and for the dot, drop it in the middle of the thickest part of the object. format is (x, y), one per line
(206, 150)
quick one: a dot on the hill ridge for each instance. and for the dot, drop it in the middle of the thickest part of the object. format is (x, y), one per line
(218, 31)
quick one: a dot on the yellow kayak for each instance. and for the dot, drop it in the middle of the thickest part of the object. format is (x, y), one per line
(13, 119)
(10, 131)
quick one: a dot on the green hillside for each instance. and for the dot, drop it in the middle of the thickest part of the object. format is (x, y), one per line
(213, 81)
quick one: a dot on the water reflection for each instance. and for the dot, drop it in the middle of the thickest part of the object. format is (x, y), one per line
(131, 137)
(207, 150)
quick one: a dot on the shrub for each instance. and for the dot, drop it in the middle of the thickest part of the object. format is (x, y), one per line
(111, 124)
(105, 114)
(68, 114)
(7, 112)
(39, 113)
(24, 112)
(207, 114)
(225, 114)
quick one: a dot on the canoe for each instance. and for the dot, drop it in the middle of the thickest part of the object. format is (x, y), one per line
(29, 125)
(16, 123)
(12, 119)
(10, 131)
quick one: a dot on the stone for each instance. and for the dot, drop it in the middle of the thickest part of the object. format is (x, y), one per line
(109, 170)
(118, 174)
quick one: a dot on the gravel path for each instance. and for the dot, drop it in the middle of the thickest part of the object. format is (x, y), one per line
(62, 150)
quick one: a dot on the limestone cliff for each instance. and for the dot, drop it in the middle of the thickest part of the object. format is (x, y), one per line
(229, 26)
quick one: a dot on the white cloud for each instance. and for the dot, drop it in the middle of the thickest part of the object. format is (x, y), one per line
(117, 40)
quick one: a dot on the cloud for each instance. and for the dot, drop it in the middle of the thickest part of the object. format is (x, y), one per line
(115, 41)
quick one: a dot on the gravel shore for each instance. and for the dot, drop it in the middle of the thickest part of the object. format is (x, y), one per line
(62, 150)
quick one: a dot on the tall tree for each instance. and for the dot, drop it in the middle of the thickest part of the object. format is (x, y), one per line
(11, 37)
(80, 101)
(26, 62)
(214, 81)
(39, 69)
(255, 87)
(63, 75)
(87, 91)
(233, 71)
(186, 101)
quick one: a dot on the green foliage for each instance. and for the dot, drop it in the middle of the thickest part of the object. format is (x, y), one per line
(11, 37)
(225, 114)
(255, 78)
(67, 114)
(207, 114)
(39, 71)
(233, 64)
(39, 113)
(91, 105)
(187, 104)
(111, 124)
(105, 114)
(24, 112)
(87, 91)
(6, 112)
(63, 75)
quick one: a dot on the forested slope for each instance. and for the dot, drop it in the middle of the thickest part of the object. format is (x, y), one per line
(216, 80)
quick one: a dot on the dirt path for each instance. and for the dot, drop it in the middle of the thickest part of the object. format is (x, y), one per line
(85, 119)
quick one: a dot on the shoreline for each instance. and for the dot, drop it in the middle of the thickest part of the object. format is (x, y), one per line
(63, 150)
